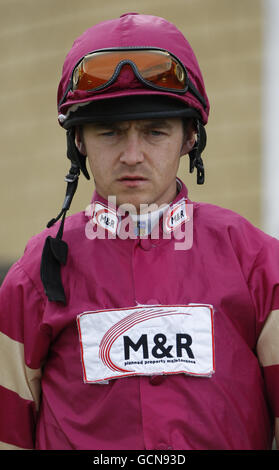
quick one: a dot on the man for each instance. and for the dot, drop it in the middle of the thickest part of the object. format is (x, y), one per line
(147, 321)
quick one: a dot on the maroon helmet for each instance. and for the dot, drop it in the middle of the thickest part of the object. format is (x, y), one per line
(132, 67)
(131, 32)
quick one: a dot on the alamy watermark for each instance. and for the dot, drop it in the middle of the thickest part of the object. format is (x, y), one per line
(151, 222)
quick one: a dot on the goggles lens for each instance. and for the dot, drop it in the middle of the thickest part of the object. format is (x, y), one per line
(154, 67)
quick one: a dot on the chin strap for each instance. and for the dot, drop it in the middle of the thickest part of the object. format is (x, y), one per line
(55, 250)
(195, 153)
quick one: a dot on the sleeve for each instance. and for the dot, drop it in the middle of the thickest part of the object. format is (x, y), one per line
(264, 288)
(23, 346)
(258, 254)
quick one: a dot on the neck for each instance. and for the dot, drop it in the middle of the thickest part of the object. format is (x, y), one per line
(145, 220)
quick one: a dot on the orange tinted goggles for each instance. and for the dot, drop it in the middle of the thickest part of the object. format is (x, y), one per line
(155, 68)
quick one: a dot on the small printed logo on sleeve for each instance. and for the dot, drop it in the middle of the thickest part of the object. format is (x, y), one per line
(147, 340)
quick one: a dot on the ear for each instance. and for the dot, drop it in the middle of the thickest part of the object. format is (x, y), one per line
(79, 141)
(189, 139)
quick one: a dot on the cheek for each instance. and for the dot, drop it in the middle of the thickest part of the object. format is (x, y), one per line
(91, 163)
(102, 171)
(97, 167)
(169, 160)
(95, 157)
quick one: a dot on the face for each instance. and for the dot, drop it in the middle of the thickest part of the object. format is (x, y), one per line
(136, 161)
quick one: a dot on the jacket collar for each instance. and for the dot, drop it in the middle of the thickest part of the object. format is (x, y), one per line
(108, 217)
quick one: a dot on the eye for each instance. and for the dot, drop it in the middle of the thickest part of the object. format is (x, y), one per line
(108, 133)
(155, 132)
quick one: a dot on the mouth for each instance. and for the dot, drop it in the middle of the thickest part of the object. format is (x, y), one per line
(132, 180)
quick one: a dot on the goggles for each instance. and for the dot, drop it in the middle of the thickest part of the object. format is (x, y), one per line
(155, 68)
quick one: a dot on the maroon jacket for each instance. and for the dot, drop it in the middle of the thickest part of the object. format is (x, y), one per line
(142, 302)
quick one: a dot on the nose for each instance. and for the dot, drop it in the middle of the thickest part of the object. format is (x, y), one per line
(132, 153)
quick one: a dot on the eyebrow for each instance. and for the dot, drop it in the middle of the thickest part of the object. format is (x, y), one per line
(149, 123)
(158, 123)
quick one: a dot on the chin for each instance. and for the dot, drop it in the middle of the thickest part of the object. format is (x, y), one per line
(132, 202)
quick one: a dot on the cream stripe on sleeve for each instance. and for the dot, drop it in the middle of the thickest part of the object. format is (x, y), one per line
(268, 342)
(5, 446)
(15, 375)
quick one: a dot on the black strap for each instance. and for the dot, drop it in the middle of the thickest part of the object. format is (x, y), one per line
(54, 254)
(195, 154)
(77, 158)
(55, 250)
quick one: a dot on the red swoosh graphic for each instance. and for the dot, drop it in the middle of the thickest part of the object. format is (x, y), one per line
(122, 326)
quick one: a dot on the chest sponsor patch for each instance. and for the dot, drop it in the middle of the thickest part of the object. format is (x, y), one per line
(147, 340)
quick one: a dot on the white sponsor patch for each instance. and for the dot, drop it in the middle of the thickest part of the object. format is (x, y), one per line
(175, 216)
(146, 340)
(105, 217)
